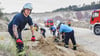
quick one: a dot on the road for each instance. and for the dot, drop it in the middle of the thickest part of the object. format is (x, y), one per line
(86, 38)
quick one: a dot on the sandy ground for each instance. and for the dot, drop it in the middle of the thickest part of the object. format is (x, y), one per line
(47, 46)
(84, 37)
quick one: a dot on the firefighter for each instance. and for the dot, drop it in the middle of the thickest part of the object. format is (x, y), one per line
(68, 34)
(36, 27)
(43, 31)
(53, 29)
(69, 23)
(18, 23)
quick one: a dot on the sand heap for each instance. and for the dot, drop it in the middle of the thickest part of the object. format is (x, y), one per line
(49, 48)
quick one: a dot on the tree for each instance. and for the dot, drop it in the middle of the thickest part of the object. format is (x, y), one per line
(84, 4)
(74, 7)
(1, 13)
(70, 7)
(92, 3)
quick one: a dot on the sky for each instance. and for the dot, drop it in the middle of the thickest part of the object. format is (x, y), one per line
(39, 6)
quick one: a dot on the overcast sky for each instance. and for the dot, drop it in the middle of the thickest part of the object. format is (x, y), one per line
(40, 5)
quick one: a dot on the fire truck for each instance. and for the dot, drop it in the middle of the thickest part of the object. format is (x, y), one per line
(95, 22)
(49, 22)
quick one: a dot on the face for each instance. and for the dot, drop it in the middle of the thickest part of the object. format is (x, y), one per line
(27, 12)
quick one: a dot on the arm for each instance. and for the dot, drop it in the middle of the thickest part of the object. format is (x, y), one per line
(32, 30)
(50, 30)
(15, 31)
(41, 31)
(31, 27)
(60, 35)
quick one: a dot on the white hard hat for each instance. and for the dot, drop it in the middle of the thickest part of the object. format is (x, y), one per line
(27, 6)
(57, 22)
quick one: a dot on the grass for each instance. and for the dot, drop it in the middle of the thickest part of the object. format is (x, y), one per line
(8, 48)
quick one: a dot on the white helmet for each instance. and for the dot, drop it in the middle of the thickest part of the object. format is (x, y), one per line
(57, 22)
(27, 6)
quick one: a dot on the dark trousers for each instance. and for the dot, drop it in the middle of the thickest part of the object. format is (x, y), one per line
(54, 33)
(68, 36)
(12, 35)
(43, 34)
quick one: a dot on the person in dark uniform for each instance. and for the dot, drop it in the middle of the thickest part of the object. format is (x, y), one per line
(35, 25)
(68, 34)
(18, 23)
(53, 29)
(43, 31)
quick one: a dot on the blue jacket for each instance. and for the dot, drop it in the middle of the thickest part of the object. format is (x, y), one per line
(53, 28)
(65, 28)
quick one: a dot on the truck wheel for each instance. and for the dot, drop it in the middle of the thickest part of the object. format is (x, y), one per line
(97, 30)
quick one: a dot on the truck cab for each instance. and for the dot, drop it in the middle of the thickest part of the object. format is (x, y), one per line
(49, 22)
(95, 22)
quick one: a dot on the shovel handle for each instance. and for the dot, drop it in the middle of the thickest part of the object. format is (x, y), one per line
(29, 40)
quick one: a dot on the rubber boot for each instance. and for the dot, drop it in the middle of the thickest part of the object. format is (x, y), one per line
(20, 47)
(56, 40)
(66, 46)
(74, 47)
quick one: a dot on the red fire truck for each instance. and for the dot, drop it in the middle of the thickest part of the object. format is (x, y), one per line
(95, 22)
(49, 22)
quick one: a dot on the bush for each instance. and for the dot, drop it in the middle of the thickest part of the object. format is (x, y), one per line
(1, 14)
(6, 18)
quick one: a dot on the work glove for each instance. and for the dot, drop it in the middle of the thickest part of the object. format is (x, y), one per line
(19, 41)
(33, 38)
(53, 30)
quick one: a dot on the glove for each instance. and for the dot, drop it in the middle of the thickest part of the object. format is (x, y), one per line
(53, 30)
(33, 38)
(19, 41)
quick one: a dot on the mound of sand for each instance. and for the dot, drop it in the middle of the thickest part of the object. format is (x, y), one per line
(49, 48)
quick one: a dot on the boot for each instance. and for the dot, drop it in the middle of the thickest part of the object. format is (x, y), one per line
(56, 40)
(74, 47)
(63, 40)
(66, 46)
(20, 48)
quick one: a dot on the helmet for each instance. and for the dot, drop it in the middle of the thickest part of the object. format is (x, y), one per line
(57, 22)
(59, 25)
(35, 25)
(28, 6)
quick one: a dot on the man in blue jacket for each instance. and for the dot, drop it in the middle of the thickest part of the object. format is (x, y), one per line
(69, 34)
(18, 23)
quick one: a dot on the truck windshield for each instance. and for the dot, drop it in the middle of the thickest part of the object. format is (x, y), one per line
(95, 14)
(50, 21)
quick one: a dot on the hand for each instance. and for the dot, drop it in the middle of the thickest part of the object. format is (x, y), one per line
(19, 41)
(52, 30)
(63, 34)
(33, 38)
(41, 32)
